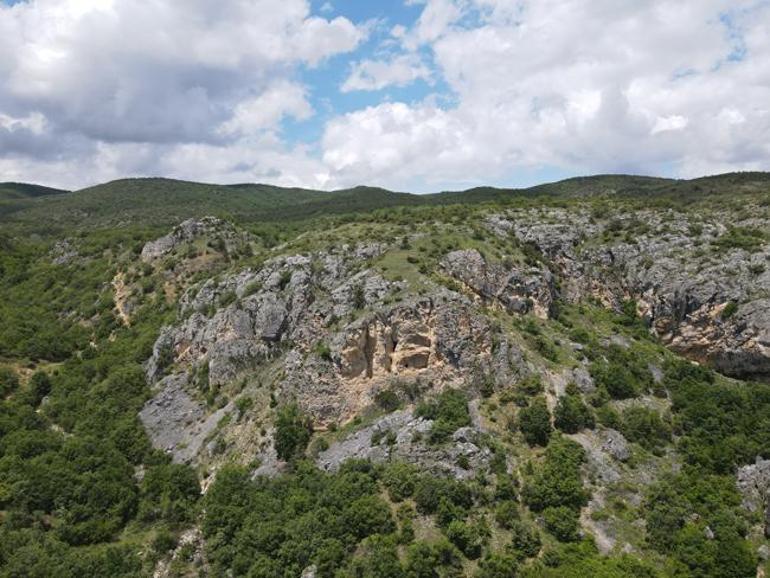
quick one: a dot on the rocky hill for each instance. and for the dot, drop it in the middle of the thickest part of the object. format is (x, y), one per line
(570, 381)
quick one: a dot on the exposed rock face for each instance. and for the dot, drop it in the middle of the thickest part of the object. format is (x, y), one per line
(754, 485)
(338, 336)
(518, 290)
(192, 229)
(603, 450)
(680, 289)
(615, 444)
(410, 446)
(176, 422)
(63, 252)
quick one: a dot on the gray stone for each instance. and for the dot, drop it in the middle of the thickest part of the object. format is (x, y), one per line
(175, 422)
(411, 446)
(517, 289)
(615, 444)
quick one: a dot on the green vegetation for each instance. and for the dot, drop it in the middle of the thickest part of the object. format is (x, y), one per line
(449, 412)
(571, 414)
(746, 238)
(292, 432)
(621, 373)
(82, 492)
(535, 422)
(556, 481)
(645, 427)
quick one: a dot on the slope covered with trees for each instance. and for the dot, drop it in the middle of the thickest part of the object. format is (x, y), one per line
(369, 384)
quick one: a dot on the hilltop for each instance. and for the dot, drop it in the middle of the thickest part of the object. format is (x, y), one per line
(164, 202)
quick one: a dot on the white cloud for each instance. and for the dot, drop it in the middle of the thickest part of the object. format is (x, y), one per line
(117, 72)
(378, 74)
(96, 89)
(34, 123)
(668, 123)
(581, 86)
(436, 18)
(266, 111)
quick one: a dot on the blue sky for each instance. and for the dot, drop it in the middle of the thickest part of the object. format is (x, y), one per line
(418, 95)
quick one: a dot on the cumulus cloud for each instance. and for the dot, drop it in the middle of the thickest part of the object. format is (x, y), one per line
(266, 111)
(95, 89)
(378, 74)
(577, 85)
(117, 72)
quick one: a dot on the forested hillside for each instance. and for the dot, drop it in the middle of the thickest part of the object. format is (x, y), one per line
(571, 380)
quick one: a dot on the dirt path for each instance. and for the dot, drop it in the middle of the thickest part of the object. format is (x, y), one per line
(121, 297)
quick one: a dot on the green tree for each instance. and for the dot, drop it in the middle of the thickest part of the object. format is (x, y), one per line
(9, 381)
(562, 522)
(292, 432)
(571, 414)
(535, 422)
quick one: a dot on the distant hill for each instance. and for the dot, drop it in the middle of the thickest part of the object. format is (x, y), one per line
(11, 191)
(161, 202)
(15, 197)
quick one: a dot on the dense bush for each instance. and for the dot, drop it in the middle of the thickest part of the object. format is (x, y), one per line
(339, 522)
(497, 566)
(556, 481)
(562, 522)
(292, 432)
(571, 414)
(9, 381)
(645, 427)
(535, 422)
(621, 372)
(400, 480)
(680, 512)
(449, 412)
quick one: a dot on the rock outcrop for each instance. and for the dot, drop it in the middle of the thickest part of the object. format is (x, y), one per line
(516, 289)
(712, 306)
(336, 330)
(177, 423)
(408, 443)
(754, 485)
(228, 238)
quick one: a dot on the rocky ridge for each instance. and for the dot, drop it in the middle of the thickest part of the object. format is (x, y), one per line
(338, 334)
(705, 298)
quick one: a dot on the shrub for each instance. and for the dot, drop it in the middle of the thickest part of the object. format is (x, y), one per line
(366, 516)
(535, 422)
(729, 310)
(645, 427)
(292, 432)
(430, 491)
(497, 565)
(9, 381)
(571, 414)
(387, 400)
(449, 412)
(506, 514)
(467, 538)
(746, 238)
(557, 481)
(400, 480)
(227, 298)
(323, 351)
(623, 374)
(358, 296)
(608, 417)
(427, 560)
(525, 540)
(562, 522)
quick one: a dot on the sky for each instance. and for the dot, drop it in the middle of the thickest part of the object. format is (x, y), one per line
(413, 95)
